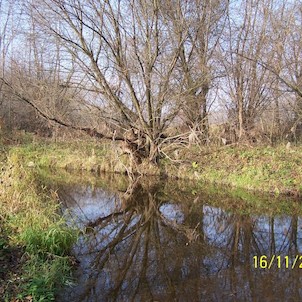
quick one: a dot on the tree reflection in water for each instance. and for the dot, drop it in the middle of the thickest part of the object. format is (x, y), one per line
(157, 242)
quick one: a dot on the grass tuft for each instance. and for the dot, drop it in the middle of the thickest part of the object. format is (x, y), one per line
(29, 214)
(56, 240)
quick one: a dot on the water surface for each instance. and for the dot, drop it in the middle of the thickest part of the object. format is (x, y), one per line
(151, 240)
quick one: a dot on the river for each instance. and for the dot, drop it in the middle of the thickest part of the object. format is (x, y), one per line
(163, 240)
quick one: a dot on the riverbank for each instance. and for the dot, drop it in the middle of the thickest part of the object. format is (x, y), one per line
(274, 170)
(35, 243)
(34, 240)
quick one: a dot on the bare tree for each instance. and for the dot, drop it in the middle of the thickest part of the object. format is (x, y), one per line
(204, 23)
(7, 35)
(247, 85)
(282, 57)
(126, 52)
(132, 70)
(287, 51)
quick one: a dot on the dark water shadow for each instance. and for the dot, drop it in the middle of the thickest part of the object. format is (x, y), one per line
(164, 241)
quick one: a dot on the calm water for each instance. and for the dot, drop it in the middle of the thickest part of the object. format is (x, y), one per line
(162, 241)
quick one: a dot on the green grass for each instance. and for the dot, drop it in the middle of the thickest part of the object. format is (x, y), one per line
(43, 277)
(55, 240)
(266, 169)
(89, 156)
(31, 219)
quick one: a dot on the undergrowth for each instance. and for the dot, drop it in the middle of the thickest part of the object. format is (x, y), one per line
(30, 213)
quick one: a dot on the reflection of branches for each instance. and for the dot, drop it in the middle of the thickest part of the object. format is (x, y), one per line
(129, 235)
(293, 236)
(142, 252)
(99, 221)
(129, 261)
(161, 259)
(107, 250)
(144, 265)
(191, 234)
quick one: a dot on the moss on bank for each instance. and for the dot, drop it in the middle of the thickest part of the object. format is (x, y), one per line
(266, 169)
(34, 229)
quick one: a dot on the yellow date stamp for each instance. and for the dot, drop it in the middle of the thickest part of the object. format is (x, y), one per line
(277, 261)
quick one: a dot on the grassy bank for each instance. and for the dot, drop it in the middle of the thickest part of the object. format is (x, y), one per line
(265, 169)
(34, 241)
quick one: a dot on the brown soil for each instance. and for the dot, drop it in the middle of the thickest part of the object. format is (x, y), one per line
(10, 267)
